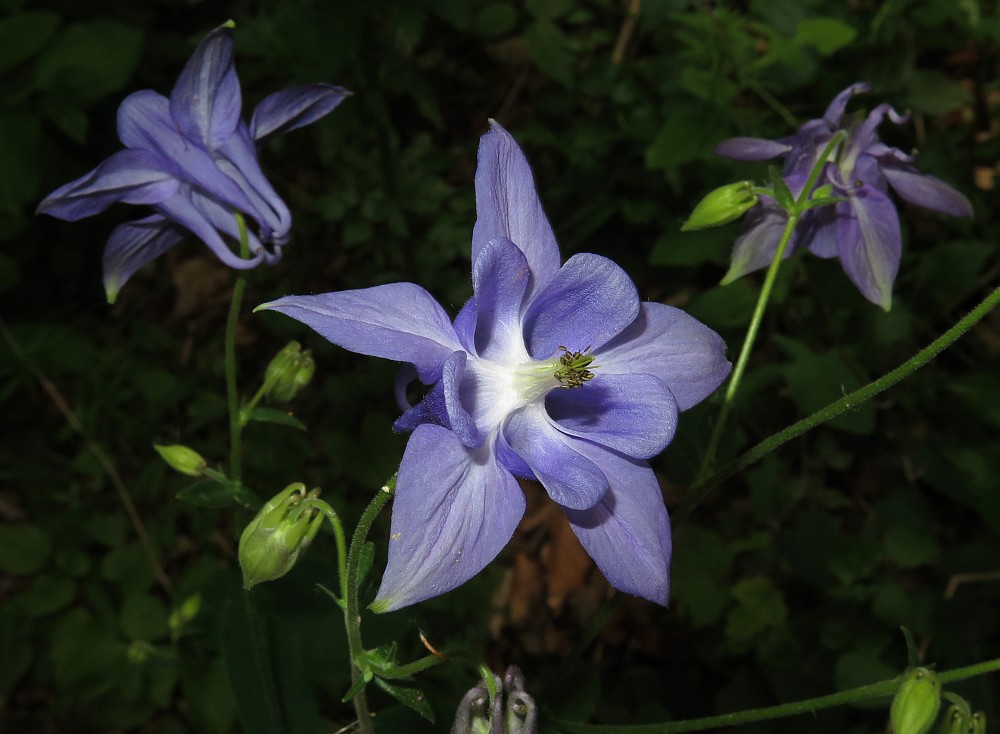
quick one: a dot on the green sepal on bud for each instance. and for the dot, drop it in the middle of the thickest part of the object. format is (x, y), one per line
(917, 702)
(270, 545)
(721, 206)
(291, 370)
(183, 459)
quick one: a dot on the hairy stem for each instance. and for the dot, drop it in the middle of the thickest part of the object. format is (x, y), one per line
(350, 593)
(232, 396)
(852, 400)
(882, 689)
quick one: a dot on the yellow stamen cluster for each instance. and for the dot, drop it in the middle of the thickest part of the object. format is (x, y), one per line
(572, 370)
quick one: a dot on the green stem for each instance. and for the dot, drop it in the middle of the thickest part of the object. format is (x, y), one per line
(748, 342)
(350, 592)
(232, 397)
(338, 534)
(852, 400)
(417, 666)
(875, 690)
(795, 210)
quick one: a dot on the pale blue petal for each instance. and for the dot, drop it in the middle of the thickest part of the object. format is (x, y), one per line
(453, 512)
(128, 176)
(631, 413)
(751, 149)
(181, 209)
(835, 111)
(508, 206)
(398, 321)
(144, 122)
(237, 158)
(500, 278)
(758, 242)
(870, 244)
(293, 108)
(663, 341)
(570, 479)
(205, 102)
(132, 245)
(628, 532)
(589, 301)
(927, 191)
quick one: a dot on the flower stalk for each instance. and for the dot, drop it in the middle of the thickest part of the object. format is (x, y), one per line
(232, 397)
(882, 689)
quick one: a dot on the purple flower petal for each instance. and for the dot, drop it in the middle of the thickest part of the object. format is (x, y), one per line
(663, 341)
(751, 149)
(926, 191)
(628, 532)
(459, 420)
(465, 326)
(500, 278)
(835, 111)
(589, 301)
(181, 209)
(293, 108)
(758, 242)
(144, 122)
(134, 244)
(205, 101)
(454, 511)
(508, 206)
(128, 176)
(570, 478)
(237, 158)
(818, 230)
(634, 414)
(870, 244)
(224, 221)
(398, 321)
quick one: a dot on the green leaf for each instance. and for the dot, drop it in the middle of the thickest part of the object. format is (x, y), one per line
(47, 594)
(23, 35)
(206, 493)
(129, 566)
(759, 607)
(933, 93)
(210, 697)
(274, 415)
(496, 19)
(725, 306)
(143, 617)
(699, 581)
(23, 549)
(675, 247)
(412, 697)
(548, 9)
(826, 35)
(88, 61)
(547, 47)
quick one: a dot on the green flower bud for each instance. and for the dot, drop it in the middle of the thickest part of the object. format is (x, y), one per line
(289, 372)
(956, 720)
(916, 703)
(725, 204)
(182, 459)
(272, 542)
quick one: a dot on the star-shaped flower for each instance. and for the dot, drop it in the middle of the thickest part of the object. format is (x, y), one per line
(194, 160)
(558, 374)
(863, 231)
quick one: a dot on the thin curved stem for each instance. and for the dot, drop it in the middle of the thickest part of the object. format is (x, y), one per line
(748, 342)
(852, 400)
(232, 396)
(875, 690)
(352, 610)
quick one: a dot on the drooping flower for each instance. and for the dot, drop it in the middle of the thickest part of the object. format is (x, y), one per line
(558, 374)
(862, 231)
(193, 159)
(512, 710)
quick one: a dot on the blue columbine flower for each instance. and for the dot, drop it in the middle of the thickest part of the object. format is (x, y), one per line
(553, 373)
(194, 160)
(862, 231)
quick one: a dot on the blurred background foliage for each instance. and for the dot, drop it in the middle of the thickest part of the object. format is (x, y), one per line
(791, 581)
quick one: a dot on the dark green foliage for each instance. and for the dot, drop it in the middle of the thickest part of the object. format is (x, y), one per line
(790, 581)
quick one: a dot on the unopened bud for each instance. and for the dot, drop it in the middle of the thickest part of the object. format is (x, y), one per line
(721, 206)
(182, 459)
(978, 723)
(270, 545)
(916, 703)
(291, 370)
